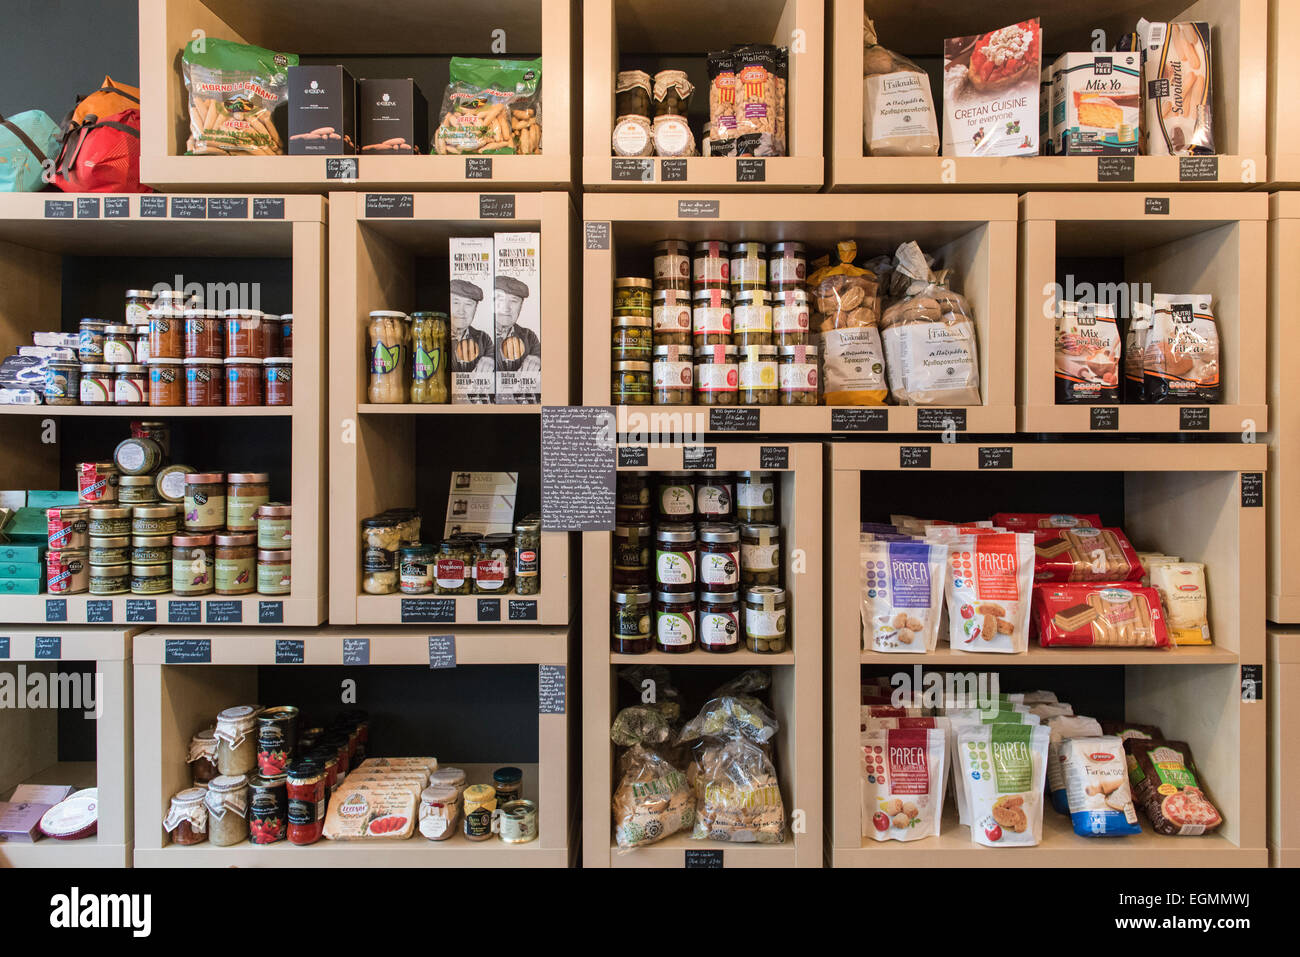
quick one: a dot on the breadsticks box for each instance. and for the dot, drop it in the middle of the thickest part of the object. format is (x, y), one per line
(1096, 104)
(392, 117)
(322, 111)
(517, 307)
(473, 294)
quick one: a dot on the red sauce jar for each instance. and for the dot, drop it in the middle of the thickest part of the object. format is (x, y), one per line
(338, 743)
(245, 338)
(205, 334)
(278, 373)
(205, 382)
(307, 786)
(329, 760)
(166, 387)
(272, 336)
(165, 328)
(244, 382)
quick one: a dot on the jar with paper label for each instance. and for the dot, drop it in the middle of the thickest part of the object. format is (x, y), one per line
(245, 382)
(68, 527)
(268, 808)
(236, 566)
(203, 756)
(453, 568)
(413, 573)
(110, 521)
(439, 810)
(711, 317)
(480, 803)
(151, 549)
(675, 496)
(672, 264)
(67, 572)
(275, 525)
(227, 802)
(246, 492)
(119, 345)
(151, 579)
(205, 334)
(631, 383)
(757, 375)
(672, 317)
(797, 374)
(714, 501)
(790, 312)
(245, 338)
(719, 622)
(717, 377)
(166, 382)
(711, 265)
(113, 579)
(138, 304)
(751, 319)
(765, 620)
(130, 385)
(274, 572)
(748, 266)
(760, 555)
(674, 375)
(111, 550)
(630, 620)
(528, 555)
(675, 558)
(166, 333)
(187, 817)
(631, 558)
(675, 622)
(632, 295)
(719, 557)
(787, 266)
(755, 497)
(633, 339)
(277, 388)
(205, 382)
(205, 501)
(236, 740)
(62, 385)
(271, 338)
(90, 341)
(632, 498)
(155, 519)
(493, 564)
(193, 564)
(97, 385)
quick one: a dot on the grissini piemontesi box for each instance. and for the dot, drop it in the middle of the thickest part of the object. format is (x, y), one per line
(1116, 615)
(322, 111)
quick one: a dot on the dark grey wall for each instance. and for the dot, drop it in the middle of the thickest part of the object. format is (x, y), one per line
(53, 50)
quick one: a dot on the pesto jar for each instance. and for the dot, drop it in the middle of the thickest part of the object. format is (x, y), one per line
(137, 490)
(113, 550)
(151, 549)
(275, 525)
(151, 579)
(205, 502)
(274, 572)
(154, 520)
(193, 564)
(528, 555)
(110, 579)
(246, 492)
(630, 621)
(453, 568)
(236, 564)
(109, 522)
(633, 339)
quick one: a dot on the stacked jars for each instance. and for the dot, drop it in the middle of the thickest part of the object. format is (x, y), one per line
(690, 550)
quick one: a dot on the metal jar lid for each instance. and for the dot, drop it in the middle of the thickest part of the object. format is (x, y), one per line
(675, 598)
(204, 478)
(249, 478)
(672, 247)
(676, 533)
(788, 247)
(711, 247)
(719, 533)
(100, 514)
(150, 571)
(634, 595)
(632, 367)
(745, 249)
(765, 595)
(235, 541)
(641, 321)
(720, 598)
(192, 541)
(155, 511)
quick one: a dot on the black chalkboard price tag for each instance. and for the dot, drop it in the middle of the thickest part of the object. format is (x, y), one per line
(187, 651)
(225, 612)
(270, 613)
(1252, 683)
(1116, 169)
(117, 207)
(672, 171)
(750, 170)
(60, 209)
(699, 208)
(290, 651)
(940, 420)
(578, 469)
(390, 206)
(703, 859)
(153, 207)
(141, 610)
(633, 456)
(1156, 206)
(631, 169)
(478, 167)
(88, 207)
(1252, 489)
(596, 234)
(521, 609)
(343, 168)
(184, 612)
(442, 651)
(56, 609)
(1103, 418)
(774, 457)
(552, 689)
(914, 457)
(356, 651)
(418, 611)
(189, 207)
(48, 648)
(1198, 169)
(496, 206)
(859, 420)
(268, 207)
(489, 609)
(700, 457)
(733, 420)
(228, 207)
(1194, 418)
(99, 611)
(995, 457)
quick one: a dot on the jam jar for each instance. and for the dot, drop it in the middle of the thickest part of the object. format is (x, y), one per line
(62, 384)
(673, 375)
(187, 817)
(765, 620)
(675, 563)
(748, 266)
(493, 564)
(719, 557)
(205, 382)
(203, 756)
(672, 317)
(714, 497)
(413, 569)
(245, 338)
(711, 317)
(631, 559)
(630, 620)
(711, 265)
(166, 333)
(151, 579)
(111, 550)
(719, 622)
(244, 382)
(717, 378)
(674, 622)
(114, 579)
(757, 375)
(151, 549)
(227, 801)
(205, 334)
(675, 496)
(274, 572)
(278, 373)
(751, 319)
(275, 525)
(166, 382)
(110, 521)
(755, 497)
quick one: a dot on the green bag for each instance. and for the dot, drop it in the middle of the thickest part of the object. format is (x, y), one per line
(235, 90)
(491, 106)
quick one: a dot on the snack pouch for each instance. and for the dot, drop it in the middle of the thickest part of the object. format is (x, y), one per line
(1003, 770)
(1127, 730)
(930, 349)
(1087, 354)
(1135, 347)
(1122, 614)
(847, 303)
(1181, 586)
(1085, 555)
(1060, 730)
(1167, 788)
(1181, 362)
(903, 776)
(491, 106)
(898, 115)
(902, 595)
(1097, 788)
(988, 592)
(963, 720)
(235, 90)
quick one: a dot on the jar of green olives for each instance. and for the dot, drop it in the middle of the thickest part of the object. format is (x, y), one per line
(765, 620)
(755, 497)
(631, 383)
(528, 555)
(760, 555)
(633, 339)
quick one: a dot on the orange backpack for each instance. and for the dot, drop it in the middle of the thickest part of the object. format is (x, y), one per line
(109, 99)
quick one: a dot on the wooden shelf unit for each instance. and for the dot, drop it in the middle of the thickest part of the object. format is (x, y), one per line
(681, 33)
(332, 28)
(174, 700)
(973, 234)
(1204, 243)
(917, 29)
(795, 694)
(1283, 79)
(32, 271)
(372, 449)
(1284, 407)
(1282, 693)
(29, 744)
(1179, 497)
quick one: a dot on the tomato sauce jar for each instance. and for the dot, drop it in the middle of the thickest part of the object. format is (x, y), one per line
(244, 382)
(205, 382)
(307, 786)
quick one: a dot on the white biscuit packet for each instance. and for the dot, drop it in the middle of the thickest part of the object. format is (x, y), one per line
(1003, 767)
(902, 595)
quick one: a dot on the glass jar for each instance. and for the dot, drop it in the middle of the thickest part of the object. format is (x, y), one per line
(166, 333)
(528, 556)
(439, 811)
(187, 817)
(151, 579)
(508, 783)
(119, 345)
(114, 579)
(306, 787)
(710, 265)
(675, 564)
(674, 375)
(113, 550)
(193, 564)
(142, 345)
(632, 293)
(790, 311)
(749, 266)
(797, 374)
(674, 622)
(755, 497)
(274, 572)
(765, 620)
(227, 801)
(711, 317)
(633, 339)
(244, 336)
(414, 562)
(67, 527)
(151, 549)
(493, 563)
(244, 382)
(270, 336)
(67, 572)
(286, 334)
(632, 93)
(62, 384)
(631, 383)
(453, 569)
(675, 496)
(672, 317)
(137, 456)
(760, 555)
(277, 738)
(155, 520)
(97, 385)
(90, 341)
(751, 319)
(328, 759)
(137, 490)
(205, 501)
(109, 522)
(672, 264)
(138, 304)
(170, 483)
(166, 382)
(389, 332)
(453, 778)
(205, 334)
(631, 559)
(719, 558)
(714, 499)
(630, 620)
(379, 544)
(717, 378)
(203, 756)
(632, 497)
(787, 266)
(408, 525)
(275, 526)
(205, 382)
(268, 808)
(246, 492)
(236, 740)
(278, 387)
(719, 624)
(236, 564)
(430, 373)
(157, 432)
(757, 375)
(480, 803)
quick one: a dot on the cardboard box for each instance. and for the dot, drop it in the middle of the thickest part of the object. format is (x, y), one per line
(22, 570)
(484, 514)
(322, 111)
(29, 526)
(13, 499)
(473, 353)
(20, 822)
(21, 586)
(22, 553)
(518, 311)
(57, 498)
(49, 794)
(1096, 104)
(991, 109)
(64, 340)
(392, 118)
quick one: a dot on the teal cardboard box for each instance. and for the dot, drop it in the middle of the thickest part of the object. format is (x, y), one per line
(22, 570)
(55, 499)
(14, 552)
(21, 586)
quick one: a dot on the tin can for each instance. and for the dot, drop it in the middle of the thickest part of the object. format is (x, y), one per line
(96, 482)
(68, 528)
(517, 822)
(480, 806)
(268, 808)
(277, 734)
(67, 573)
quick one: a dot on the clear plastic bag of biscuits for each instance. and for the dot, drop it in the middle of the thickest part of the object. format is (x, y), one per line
(846, 300)
(653, 798)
